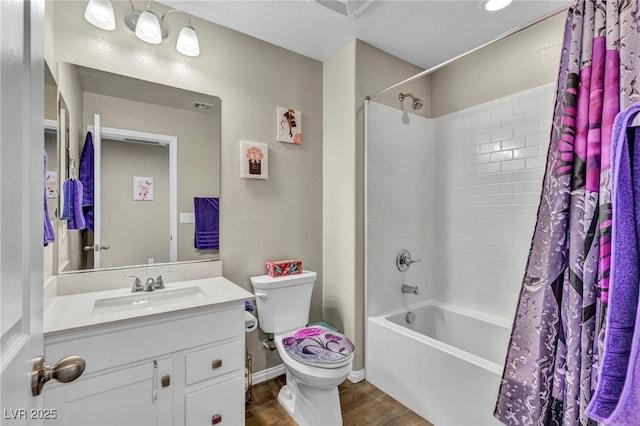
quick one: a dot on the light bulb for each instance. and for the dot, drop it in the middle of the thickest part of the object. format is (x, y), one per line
(100, 13)
(148, 28)
(188, 42)
(493, 5)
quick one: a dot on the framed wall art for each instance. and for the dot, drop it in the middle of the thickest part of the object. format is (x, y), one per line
(142, 188)
(254, 160)
(289, 125)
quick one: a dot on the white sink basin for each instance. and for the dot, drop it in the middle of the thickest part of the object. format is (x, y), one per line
(147, 301)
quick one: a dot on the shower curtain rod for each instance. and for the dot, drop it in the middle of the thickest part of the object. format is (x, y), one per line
(469, 52)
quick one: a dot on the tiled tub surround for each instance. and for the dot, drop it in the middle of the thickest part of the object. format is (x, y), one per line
(490, 163)
(400, 196)
(460, 192)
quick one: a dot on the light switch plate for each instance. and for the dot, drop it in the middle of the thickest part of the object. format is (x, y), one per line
(187, 218)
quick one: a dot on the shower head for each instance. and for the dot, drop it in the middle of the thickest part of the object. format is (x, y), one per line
(417, 102)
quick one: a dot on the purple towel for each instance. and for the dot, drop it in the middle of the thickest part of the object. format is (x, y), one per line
(617, 386)
(206, 213)
(627, 411)
(72, 211)
(67, 188)
(49, 235)
(86, 176)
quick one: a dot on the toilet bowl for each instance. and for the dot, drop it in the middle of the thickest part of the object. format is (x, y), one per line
(316, 359)
(310, 394)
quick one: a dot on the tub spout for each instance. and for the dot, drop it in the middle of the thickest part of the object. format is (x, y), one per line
(410, 289)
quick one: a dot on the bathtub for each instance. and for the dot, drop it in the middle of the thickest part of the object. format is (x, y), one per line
(446, 365)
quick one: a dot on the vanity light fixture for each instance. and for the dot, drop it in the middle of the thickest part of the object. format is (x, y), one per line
(188, 41)
(146, 25)
(493, 5)
(100, 13)
(148, 28)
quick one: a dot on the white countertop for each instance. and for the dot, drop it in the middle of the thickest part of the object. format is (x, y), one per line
(75, 311)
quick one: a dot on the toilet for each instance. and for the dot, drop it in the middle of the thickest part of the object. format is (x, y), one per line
(316, 359)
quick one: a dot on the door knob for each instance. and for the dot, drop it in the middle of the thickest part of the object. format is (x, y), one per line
(66, 370)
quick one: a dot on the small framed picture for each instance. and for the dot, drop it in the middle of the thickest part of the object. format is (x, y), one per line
(51, 179)
(254, 160)
(142, 188)
(289, 122)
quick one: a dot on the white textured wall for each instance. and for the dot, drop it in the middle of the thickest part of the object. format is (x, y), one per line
(461, 192)
(260, 220)
(400, 199)
(339, 191)
(349, 75)
(524, 60)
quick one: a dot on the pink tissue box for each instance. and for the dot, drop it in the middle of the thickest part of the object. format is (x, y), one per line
(282, 268)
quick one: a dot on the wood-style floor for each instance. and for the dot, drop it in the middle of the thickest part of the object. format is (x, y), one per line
(361, 404)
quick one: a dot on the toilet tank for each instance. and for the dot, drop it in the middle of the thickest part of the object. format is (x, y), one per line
(284, 302)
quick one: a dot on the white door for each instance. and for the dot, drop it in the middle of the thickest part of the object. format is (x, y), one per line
(21, 206)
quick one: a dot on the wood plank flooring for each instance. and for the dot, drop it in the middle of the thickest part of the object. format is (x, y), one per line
(361, 404)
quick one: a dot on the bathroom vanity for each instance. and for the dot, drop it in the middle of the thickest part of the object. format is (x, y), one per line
(152, 358)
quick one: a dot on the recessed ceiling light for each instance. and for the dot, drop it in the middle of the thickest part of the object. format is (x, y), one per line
(493, 5)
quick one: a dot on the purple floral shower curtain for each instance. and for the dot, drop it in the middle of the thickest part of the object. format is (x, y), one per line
(553, 356)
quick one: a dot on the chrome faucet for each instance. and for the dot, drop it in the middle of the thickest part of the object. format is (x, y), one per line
(160, 281)
(137, 284)
(149, 285)
(410, 289)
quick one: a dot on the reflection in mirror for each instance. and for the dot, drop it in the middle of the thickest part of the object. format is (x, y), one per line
(51, 142)
(51, 173)
(135, 215)
(63, 242)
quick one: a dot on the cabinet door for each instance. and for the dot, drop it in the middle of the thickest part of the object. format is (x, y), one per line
(130, 395)
(220, 404)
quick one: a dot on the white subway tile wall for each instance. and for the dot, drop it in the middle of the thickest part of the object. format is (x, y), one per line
(401, 172)
(461, 192)
(485, 212)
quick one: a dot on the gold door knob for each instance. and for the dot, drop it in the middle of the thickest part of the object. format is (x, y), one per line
(66, 370)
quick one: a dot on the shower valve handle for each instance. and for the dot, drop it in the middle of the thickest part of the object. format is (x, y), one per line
(403, 260)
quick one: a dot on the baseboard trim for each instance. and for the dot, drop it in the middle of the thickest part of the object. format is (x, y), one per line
(356, 376)
(268, 374)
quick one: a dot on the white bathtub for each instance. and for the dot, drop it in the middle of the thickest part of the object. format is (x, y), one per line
(446, 366)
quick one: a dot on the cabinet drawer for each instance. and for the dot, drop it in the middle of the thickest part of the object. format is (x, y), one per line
(213, 361)
(221, 404)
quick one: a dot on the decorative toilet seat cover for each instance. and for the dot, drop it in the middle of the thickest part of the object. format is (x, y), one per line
(317, 344)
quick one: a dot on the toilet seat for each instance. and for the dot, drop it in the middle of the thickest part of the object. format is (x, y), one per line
(317, 346)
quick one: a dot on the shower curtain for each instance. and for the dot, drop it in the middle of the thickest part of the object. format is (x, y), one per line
(551, 368)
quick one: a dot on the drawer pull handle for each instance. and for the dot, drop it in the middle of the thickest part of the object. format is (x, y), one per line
(216, 418)
(217, 363)
(166, 381)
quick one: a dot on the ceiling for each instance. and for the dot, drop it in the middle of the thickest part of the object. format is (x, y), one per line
(422, 32)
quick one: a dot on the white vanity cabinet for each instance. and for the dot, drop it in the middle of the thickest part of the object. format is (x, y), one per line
(177, 368)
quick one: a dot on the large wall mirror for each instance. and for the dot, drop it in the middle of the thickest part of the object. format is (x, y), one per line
(156, 148)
